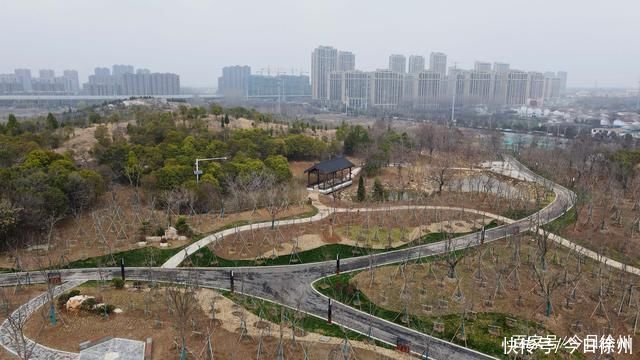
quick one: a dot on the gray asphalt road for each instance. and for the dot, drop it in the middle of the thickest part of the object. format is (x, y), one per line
(291, 285)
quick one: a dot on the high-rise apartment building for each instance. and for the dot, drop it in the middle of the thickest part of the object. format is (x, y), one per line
(386, 89)
(324, 60)
(517, 87)
(234, 82)
(482, 66)
(346, 61)
(500, 67)
(71, 81)
(480, 87)
(562, 75)
(356, 89)
(416, 64)
(23, 76)
(119, 70)
(535, 88)
(47, 76)
(429, 89)
(149, 84)
(438, 63)
(398, 63)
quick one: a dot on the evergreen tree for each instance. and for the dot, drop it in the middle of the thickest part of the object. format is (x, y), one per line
(226, 119)
(361, 190)
(52, 122)
(12, 127)
(378, 190)
(222, 123)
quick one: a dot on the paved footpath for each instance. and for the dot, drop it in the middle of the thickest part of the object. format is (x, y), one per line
(13, 343)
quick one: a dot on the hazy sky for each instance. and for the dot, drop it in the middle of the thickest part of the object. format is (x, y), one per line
(593, 40)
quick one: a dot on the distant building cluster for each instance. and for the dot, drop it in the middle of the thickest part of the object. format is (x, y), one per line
(21, 82)
(416, 86)
(122, 80)
(237, 82)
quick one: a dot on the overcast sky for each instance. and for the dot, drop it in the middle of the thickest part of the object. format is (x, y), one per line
(594, 40)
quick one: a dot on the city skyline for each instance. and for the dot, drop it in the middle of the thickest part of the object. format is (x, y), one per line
(594, 46)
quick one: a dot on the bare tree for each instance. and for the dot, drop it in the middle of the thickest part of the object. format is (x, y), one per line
(440, 175)
(182, 304)
(14, 326)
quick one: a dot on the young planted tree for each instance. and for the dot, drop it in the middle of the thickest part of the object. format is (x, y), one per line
(378, 190)
(182, 304)
(361, 195)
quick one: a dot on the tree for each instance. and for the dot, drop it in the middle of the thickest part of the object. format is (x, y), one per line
(216, 109)
(378, 190)
(52, 122)
(13, 127)
(440, 175)
(361, 190)
(279, 166)
(226, 119)
(183, 305)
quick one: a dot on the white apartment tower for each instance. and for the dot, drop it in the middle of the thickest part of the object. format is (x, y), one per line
(500, 68)
(438, 63)
(562, 75)
(416, 64)
(482, 66)
(324, 60)
(429, 89)
(398, 63)
(386, 89)
(517, 83)
(346, 61)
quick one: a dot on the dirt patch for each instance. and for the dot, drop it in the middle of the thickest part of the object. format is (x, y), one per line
(379, 230)
(488, 281)
(157, 322)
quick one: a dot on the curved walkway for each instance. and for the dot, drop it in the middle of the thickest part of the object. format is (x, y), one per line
(291, 285)
(10, 337)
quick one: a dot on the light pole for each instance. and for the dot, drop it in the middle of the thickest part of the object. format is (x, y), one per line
(197, 172)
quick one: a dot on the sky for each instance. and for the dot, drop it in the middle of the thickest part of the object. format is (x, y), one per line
(596, 42)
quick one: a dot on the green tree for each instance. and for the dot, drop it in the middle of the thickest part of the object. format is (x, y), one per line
(216, 109)
(378, 190)
(226, 119)
(13, 127)
(52, 122)
(279, 165)
(361, 190)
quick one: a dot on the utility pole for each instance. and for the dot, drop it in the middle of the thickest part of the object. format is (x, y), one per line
(197, 172)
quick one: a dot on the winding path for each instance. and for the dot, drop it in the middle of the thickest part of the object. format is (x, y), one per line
(292, 285)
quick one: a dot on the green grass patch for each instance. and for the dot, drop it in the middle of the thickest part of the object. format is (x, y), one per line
(148, 256)
(276, 313)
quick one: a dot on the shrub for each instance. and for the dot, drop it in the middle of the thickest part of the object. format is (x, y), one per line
(63, 298)
(117, 283)
(100, 309)
(88, 304)
(159, 231)
(182, 226)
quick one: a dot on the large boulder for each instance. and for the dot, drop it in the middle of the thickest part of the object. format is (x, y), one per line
(75, 302)
(171, 233)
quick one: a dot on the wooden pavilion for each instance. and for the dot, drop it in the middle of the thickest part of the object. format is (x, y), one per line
(329, 173)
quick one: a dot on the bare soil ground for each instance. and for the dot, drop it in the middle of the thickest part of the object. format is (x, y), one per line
(120, 220)
(82, 140)
(377, 230)
(603, 231)
(158, 324)
(487, 281)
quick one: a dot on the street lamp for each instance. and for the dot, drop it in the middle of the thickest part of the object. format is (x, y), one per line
(197, 172)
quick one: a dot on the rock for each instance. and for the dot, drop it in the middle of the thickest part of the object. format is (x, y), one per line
(164, 245)
(154, 238)
(142, 243)
(75, 302)
(117, 311)
(171, 233)
(182, 238)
